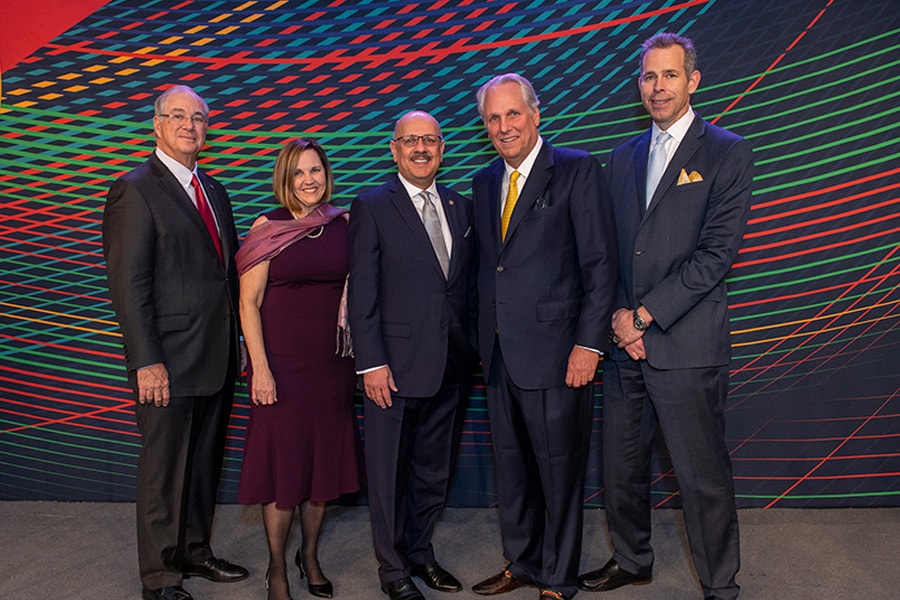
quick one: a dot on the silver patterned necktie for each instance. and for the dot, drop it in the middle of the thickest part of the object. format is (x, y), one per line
(433, 227)
(657, 164)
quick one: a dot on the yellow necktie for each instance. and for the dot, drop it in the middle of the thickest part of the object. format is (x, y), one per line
(511, 196)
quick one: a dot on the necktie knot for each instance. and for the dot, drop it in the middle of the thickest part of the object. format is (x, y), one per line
(662, 138)
(426, 200)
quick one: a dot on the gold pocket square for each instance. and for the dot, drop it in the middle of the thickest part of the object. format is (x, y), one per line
(684, 178)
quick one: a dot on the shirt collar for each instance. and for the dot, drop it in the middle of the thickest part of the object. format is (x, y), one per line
(181, 172)
(678, 129)
(525, 168)
(414, 190)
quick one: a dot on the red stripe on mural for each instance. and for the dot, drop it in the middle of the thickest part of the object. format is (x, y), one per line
(775, 62)
(403, 53)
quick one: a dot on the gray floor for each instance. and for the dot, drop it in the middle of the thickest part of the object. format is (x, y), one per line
(80, 551)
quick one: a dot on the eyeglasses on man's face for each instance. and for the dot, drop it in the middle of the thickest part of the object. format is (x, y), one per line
(180, 118)
(411, 140)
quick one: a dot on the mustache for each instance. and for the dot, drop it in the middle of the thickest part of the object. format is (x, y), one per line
(418, 155)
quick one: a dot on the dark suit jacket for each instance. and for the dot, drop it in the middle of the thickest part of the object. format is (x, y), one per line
(551, 285)
(401, 307)
(175, 302)
(675, 255)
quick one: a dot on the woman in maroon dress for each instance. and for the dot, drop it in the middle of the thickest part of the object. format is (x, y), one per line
(302, 440)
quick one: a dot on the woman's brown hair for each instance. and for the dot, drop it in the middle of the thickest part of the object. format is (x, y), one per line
(283, 174)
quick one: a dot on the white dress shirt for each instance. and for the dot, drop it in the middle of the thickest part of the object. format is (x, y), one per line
(184, 177)
(419, 202)
(677, 130)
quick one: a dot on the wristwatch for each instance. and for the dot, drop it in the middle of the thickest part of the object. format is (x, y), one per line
(639, 323)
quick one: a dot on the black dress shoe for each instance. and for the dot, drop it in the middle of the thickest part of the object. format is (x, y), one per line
(436, 577)
(215, 569)
(502, 582)
(609, 577)
(171, 592)
(320, 590)
(402, 589)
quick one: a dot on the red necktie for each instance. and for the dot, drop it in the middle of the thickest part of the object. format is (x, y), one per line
(206, 215)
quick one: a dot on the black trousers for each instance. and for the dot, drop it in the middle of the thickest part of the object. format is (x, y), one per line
(410, 453)
(180, 464)
(687, 405)
(540, 440)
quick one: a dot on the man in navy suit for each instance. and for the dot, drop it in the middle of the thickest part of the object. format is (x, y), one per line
(678, 238)
(411, 301)
(546, 284)
(169, 242)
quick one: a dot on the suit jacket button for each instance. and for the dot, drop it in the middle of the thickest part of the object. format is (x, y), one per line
(500, 269)
(638, 252)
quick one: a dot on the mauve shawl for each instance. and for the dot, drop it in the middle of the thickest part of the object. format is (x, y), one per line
(267, 240)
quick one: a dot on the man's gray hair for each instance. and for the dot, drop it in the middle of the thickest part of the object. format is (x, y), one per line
(528, 93)
(667, 40)
(159, 105)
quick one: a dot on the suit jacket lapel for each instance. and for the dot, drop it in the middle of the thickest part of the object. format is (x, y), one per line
(537, 182)
(641, 156)
(172, 190)
(457, 227)
(686, 150)
(494, 187)
(407, 210)
(217, 205)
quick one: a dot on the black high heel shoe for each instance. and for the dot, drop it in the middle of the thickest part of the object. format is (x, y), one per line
(321, 590)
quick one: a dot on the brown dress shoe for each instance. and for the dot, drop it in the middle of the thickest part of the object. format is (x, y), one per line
(502, 582)
(609, 577)
(551, 595)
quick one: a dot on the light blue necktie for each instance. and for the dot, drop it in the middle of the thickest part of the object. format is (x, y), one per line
(657, 164)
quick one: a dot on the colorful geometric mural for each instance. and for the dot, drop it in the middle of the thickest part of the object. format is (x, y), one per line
(814, 413)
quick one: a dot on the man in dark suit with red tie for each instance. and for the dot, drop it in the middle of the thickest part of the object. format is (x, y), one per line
(681, 197)
(546, 283)
(169, 241)
(411, 301)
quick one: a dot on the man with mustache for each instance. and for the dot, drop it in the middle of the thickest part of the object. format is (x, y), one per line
(411, 301)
